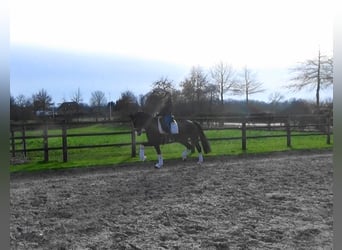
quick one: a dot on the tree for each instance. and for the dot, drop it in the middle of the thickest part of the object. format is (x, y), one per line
(98, 99)
(41, 101)
(152, 101)
(13, 107)
(98, 102)
(313, 74)
(194, 87)
(127, 104)
(24, 107)
(201, 83)
(222, 75)
(275, 98)
(77, 96)
(212, 92)
(248, 85)
(164, 84)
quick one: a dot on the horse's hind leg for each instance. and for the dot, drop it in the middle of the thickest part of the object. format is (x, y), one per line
(160, 162)
(189, 149)
(200, 155)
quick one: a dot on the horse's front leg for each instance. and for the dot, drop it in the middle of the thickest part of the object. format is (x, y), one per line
(142, 155)
(160, 162)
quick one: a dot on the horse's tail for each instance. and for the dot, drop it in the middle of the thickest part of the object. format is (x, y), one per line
(204, 140)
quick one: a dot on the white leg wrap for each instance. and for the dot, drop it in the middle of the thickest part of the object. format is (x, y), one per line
(184, 155)
(160, 162)
(200, 158)
(142, 153)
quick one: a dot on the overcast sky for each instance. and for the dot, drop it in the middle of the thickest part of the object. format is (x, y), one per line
(149, 39)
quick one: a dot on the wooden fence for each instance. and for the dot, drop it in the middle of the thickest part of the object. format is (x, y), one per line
(311, 125)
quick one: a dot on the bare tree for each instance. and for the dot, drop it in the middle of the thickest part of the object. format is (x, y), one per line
(98, 101)
(212, 92)
(275, 98)
(313, 74)
(164, 84)
(77, 96)
(223, 76)
(22, 101)
(20, 108)
(248, 85)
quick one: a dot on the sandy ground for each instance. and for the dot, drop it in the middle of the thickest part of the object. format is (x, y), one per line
(277, 201)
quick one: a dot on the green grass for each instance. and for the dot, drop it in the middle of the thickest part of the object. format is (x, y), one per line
(120, 155)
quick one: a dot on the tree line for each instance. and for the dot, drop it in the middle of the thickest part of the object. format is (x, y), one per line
(200, 93)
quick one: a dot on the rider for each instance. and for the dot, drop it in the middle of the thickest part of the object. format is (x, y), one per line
(166, 110)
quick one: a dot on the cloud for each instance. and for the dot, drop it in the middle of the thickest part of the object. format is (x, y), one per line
(257, 33)
(61, 73)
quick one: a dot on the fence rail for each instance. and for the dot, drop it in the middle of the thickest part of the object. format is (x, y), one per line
(312, 125)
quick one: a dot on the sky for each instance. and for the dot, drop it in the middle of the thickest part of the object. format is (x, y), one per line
(114, 46)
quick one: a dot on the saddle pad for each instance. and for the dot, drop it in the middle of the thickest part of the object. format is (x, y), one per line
(160, 126)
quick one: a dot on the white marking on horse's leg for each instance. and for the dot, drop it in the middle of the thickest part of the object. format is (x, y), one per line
(160, 162)
(142, 153)
(200, 158)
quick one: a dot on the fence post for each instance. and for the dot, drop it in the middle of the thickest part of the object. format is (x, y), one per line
(243, 136)
(24, 140)
(45, 142)
(288, 132)
(134, 151)
(13, 143)
(64, 142)
(328, 129)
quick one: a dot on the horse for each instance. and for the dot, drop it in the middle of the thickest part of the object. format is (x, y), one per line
(190, 134)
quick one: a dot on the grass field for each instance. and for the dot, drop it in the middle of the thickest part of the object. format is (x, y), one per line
(119, 155)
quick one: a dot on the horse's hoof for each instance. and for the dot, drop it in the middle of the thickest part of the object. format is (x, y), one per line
(158, 166)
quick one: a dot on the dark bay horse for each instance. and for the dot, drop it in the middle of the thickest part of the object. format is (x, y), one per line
(190, 135)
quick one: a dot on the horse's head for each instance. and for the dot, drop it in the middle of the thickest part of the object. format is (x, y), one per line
(140, 121)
